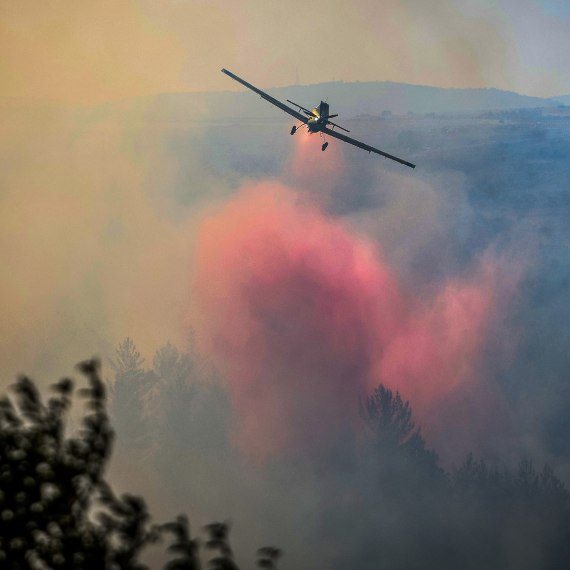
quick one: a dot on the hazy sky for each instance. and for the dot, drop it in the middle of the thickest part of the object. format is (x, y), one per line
(92, 51)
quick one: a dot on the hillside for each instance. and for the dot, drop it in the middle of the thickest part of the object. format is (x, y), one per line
(564, 99)
(348, 99)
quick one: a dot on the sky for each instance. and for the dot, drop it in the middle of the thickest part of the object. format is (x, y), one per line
(90, 52)
(291, 271)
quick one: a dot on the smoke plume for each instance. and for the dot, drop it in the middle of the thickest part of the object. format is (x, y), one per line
(304, 316)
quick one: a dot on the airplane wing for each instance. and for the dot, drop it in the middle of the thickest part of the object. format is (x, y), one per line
(267, 97)
(307, 112)
(363, 146)
(338, 127)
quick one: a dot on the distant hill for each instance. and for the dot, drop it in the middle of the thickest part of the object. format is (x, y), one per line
(347, 99)
(564, 99)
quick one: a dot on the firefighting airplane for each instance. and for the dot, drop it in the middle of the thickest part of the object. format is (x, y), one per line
(315, 120)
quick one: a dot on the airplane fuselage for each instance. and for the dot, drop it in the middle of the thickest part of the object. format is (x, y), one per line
(318, 121)
(316, 124)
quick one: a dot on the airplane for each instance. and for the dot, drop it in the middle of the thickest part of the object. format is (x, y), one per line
(316, 120)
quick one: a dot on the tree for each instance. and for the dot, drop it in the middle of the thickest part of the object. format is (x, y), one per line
(395, 435)
(132, 400)
(268, 556)
(219, 540)
(128, 359)
(169, 363)
(49, 483)
(183, 545)
(56, 508)
(496, 504)
(388, 416)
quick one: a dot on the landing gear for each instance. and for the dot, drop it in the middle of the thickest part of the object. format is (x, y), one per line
(293, 129)
(324, 147)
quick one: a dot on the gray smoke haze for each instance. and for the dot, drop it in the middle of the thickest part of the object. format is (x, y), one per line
(99, 218)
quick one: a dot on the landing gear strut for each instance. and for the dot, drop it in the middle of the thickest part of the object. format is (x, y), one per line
(295, 128)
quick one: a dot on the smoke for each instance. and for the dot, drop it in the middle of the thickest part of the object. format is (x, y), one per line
(90, 249)
(315, 172)
(312, 287)
(295, 304)
(305, 315)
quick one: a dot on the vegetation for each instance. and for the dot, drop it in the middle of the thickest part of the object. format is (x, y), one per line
(477, 516)
(56, 508)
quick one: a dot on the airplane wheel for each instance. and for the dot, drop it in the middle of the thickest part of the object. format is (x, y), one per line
(293, 130)
(324, 147)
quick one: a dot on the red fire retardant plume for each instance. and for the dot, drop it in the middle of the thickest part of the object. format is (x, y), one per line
(304, 317)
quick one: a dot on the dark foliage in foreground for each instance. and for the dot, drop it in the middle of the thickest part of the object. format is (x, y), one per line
(404, 512)
(57, 510)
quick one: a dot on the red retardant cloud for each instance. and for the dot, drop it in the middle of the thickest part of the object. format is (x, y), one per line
(438, 343)
(294, 308)
(304, 317)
